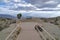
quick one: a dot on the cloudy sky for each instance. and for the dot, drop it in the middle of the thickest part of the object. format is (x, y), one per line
(15, 6)
(31, 4)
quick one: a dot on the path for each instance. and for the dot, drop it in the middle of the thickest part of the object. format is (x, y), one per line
(28, 32)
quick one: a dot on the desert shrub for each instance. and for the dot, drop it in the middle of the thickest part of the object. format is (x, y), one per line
(56, 23)
(52, 22)
(57, 38)
(4, 23)
(47, 38)
(45, 20)
(1, 28)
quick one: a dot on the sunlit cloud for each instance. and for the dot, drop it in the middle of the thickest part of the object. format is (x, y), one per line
(58, 5)
(25, 5)
(17, 0)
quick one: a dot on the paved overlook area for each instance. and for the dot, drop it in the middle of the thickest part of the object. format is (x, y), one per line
(28, 31)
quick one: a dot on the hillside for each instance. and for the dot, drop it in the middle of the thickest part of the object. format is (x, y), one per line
(7, 16)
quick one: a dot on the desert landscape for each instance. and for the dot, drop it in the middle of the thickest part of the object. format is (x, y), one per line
(28, 31)
(29, 19)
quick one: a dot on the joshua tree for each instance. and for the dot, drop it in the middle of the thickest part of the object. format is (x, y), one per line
(19, 15)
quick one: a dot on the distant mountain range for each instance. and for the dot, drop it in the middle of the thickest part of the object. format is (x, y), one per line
(22, 8)
(7, 16)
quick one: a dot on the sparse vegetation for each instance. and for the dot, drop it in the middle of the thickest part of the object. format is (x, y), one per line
(19, 15)
(4, 23)
(54, 21)
(47, 38)
(57, 38)
(45, 20)
(1, 28)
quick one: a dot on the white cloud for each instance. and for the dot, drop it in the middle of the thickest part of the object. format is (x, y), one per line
(58, 5)
(39, 9)
(53, 9)
(7, 11)
(45, 14)
(15, 4)
(25, 5)
(51, 2)
(17, 0)
(6, 1)
(12, 0)
(22, 4)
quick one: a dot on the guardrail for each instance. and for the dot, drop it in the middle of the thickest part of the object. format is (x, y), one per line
(44, 34)
(40, 34)
(13, 35)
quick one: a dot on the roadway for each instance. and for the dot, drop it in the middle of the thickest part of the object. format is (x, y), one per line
(28, 32)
